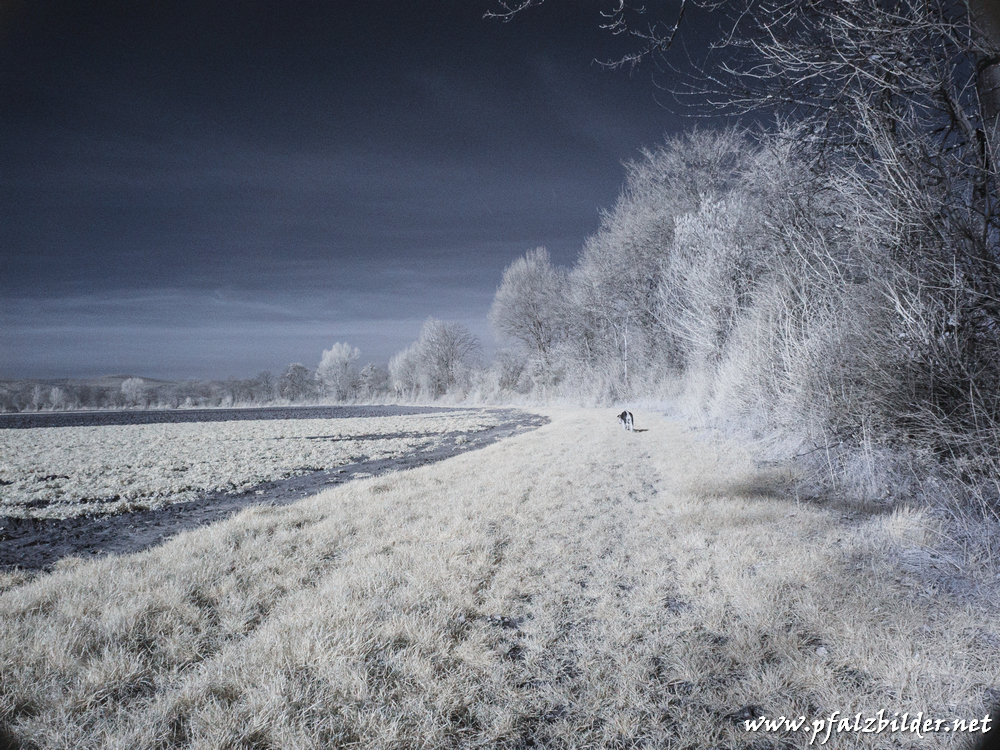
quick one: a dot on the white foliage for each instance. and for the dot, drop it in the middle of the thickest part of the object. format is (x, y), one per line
(336, 372)
(134, 390)
(529, 305)
(439, 361)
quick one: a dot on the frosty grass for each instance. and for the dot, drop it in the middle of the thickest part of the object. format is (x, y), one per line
(61, 472)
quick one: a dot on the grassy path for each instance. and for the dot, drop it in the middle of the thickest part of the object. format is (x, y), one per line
(575, 586)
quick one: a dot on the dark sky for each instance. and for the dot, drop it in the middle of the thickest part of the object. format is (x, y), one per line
(203, 188)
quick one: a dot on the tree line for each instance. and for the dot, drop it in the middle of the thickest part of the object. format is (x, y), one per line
(445, 360)
(831, 277)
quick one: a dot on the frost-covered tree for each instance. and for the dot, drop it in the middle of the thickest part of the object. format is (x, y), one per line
(373, 381)
(448, 350)
(296, 383)
(263, 387)
(58, 398)
(404, 368)
(37, 397)
(530, 304)
(134, 391)
(615, 337)
(440, 360)
(336, 372)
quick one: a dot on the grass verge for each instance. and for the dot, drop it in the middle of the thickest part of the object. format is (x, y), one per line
(572, 587)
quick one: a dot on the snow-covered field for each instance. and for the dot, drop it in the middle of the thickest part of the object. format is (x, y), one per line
(60, 472)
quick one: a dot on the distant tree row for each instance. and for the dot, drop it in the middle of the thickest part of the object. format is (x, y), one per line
(335, 380)
(445, 360)
(130, 393)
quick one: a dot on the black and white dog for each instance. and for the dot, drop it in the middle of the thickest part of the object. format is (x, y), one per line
(626, 421)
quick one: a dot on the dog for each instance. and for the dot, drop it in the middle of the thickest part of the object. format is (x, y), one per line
(625, 420)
